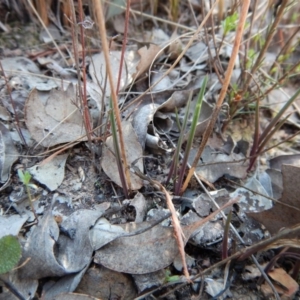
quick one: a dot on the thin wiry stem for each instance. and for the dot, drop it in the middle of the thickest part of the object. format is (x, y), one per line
(267, 43)
(101, 24)
(215, 114)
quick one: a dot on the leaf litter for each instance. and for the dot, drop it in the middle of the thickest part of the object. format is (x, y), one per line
(76, 224)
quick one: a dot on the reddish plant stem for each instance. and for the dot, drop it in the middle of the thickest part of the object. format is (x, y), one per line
(86, 114)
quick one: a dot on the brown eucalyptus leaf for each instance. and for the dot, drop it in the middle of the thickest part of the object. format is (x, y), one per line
(149, 251)
(280, 215)
(147, 56)
(58, 121)
(107, 284)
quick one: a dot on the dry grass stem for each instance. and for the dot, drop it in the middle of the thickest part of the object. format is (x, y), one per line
(215, 114)
(101, 25)
(180, 56)
(48, 32)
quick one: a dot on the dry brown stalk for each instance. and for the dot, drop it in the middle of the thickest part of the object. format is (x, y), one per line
(102, 30)
(215, 114)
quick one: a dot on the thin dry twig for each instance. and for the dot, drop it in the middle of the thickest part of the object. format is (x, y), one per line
(48, 32)
(215, 114)
(101, 25)
(180, 56)
(267, 43)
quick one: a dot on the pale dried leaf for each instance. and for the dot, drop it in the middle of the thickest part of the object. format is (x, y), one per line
(140, 205)
(75, 250)
(214, 288)
(282, 216)
(103, 233)
(146, 252)
(11, 224)
(149, 280)
(97, 69)
(52, 173)
(214, 170)
(13, 65)
(277, 162)
(57, 122)
(107, 284)
(64, 285)
(147, 55)
(141, 119)
(43, 262)
(133, 151)
(252, 199)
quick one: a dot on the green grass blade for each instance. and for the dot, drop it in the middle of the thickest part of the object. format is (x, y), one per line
(175, 161)
(191, 135)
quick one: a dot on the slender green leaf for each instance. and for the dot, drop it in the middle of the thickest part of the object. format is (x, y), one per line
(191, 135)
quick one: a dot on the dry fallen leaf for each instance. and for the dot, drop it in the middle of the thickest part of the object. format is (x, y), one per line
(43, 262)
(75, 249)
(285, 285)
(214, 165)
(65, 284)
(52, 173)
(24, 286)
(150, 251)
(284, 279)
(281, 216)
(11, 224)
(147, 56)
(58, 121)
(97, 69)
(146, 252)
(106, 284)
(134, 152)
